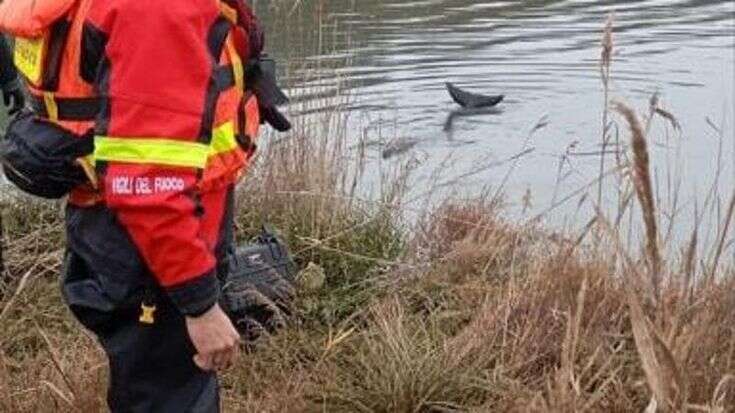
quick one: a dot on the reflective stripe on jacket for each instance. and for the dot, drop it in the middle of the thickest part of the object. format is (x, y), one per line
(175, 124)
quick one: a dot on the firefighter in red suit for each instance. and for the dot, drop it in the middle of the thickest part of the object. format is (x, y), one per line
(174, 132)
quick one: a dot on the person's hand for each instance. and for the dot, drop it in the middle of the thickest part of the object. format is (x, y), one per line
(13, 97)
(215, 339)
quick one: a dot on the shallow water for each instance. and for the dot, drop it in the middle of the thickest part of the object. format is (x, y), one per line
(395, 55)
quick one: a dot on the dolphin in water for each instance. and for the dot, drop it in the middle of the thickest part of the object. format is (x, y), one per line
(472, 104)
(472, 100)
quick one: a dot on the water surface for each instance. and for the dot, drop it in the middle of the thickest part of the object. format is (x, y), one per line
(395, 55)
(392, 57)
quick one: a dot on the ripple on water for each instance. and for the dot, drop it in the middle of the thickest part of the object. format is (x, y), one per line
(544, 57)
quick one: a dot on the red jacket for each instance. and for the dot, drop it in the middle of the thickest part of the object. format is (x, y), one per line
(167, 139)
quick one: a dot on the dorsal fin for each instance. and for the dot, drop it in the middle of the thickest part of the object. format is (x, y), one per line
(472, 100)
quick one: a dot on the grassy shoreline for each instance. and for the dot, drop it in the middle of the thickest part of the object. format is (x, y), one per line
(459, 310)
(472, 315)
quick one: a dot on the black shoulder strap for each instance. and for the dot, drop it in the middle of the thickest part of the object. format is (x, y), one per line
(59, 35)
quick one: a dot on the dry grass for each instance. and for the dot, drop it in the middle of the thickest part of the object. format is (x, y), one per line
(461, 311)
(644, 189)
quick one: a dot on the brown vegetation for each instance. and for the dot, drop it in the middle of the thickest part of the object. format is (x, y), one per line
(459, 311)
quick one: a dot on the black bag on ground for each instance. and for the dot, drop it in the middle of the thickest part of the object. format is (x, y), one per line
(259, 291)
(39, 157)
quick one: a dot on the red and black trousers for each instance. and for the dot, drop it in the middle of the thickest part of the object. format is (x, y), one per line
(105, 283)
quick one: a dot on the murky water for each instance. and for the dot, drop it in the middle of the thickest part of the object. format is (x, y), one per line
(395, 55)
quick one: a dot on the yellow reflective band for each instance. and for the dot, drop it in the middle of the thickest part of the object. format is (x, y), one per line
(151, 151)
(223, 139)
(237, 69)
(169, 152)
